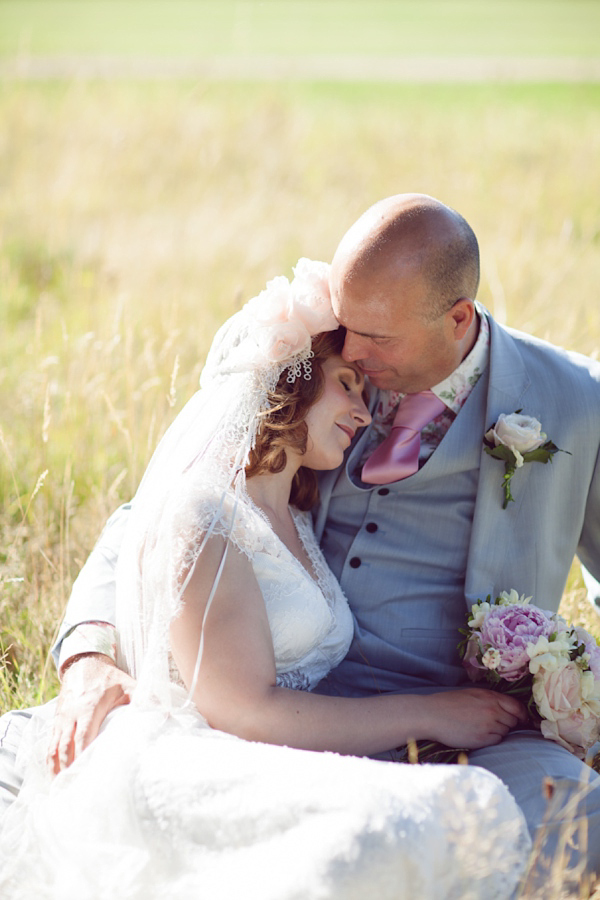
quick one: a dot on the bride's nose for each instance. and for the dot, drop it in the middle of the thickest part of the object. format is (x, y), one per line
(361, 413)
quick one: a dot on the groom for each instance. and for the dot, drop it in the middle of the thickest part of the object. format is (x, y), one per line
(408, 553)
(408, 550)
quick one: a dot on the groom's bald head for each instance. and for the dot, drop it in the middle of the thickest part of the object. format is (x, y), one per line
(413, 233)
(403, 280)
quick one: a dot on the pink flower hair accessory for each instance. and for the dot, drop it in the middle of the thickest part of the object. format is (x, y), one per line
(273, 331)
(284, 317)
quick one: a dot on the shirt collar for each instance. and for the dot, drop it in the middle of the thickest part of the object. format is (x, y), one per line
(455, 389)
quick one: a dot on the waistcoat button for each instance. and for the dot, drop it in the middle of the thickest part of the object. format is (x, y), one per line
(383, 491)
(355, 562)
(371, 527)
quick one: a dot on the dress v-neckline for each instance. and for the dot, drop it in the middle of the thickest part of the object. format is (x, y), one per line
(312, 573)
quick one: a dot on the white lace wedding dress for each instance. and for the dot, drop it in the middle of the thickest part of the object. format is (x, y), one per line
(162, 806)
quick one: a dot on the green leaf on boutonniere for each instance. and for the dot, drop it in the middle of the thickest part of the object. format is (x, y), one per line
(503, 452)
(544, 453)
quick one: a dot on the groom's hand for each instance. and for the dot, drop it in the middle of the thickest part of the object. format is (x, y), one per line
(92, 686)
(475, 717)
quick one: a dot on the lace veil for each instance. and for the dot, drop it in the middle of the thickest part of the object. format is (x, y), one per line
(194, 485)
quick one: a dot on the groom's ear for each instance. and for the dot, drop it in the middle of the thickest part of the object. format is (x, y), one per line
(462, 316)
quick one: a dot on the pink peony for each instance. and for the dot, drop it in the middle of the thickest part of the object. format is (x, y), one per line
(311, 297)
(278, 343)
(510, 629)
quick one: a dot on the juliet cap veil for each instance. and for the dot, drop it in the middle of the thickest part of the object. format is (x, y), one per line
(194, 486)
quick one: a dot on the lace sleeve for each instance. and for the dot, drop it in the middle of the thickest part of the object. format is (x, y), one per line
(210, 513)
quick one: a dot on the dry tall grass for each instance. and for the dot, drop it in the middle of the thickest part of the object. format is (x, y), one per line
(134, 218)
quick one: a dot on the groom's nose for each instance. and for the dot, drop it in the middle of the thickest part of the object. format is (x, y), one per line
(355, 347)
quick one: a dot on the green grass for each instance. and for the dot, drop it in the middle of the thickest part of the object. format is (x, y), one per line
(393, 28)
(135, 217)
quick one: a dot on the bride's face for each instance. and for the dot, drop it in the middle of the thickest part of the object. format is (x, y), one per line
(333, 420)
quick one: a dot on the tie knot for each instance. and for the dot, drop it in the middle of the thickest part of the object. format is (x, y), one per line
(417, 410)
(397, 456)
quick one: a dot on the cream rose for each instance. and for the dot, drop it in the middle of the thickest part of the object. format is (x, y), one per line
(520, 433)
(560, 693)
(575, 732)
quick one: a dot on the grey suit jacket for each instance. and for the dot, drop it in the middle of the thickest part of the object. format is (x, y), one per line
(556, 513)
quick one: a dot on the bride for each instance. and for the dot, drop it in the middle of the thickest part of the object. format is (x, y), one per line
(228, 617)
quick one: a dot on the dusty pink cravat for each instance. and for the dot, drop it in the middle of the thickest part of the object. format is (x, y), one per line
(398, 456)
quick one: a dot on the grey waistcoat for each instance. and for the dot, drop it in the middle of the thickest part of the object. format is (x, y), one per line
(400, 554)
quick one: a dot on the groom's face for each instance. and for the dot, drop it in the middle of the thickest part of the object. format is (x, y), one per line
(388, 335)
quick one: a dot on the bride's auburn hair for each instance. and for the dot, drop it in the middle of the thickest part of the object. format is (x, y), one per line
(284, 423)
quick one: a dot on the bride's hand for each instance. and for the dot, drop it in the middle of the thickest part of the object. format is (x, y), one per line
(474, 717)
(92, 686)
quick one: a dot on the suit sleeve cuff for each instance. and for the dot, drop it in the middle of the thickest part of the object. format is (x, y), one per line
(89, 637)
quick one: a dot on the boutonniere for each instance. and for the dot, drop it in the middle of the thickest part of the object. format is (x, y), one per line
(517, 439)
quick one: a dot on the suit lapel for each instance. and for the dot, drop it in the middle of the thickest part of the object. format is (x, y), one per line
(496, 538)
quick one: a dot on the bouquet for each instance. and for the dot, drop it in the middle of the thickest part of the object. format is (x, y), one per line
(535, 655)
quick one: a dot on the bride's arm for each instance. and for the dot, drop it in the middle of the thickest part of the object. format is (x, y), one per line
(237, 693)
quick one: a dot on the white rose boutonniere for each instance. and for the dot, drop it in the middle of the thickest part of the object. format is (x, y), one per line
(517, 439)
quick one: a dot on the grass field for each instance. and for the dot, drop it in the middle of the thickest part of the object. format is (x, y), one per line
(339, 28)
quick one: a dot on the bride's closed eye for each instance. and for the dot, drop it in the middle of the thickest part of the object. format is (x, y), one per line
(351, 380)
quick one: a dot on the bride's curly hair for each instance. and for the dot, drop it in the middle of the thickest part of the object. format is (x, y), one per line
(284, 424)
